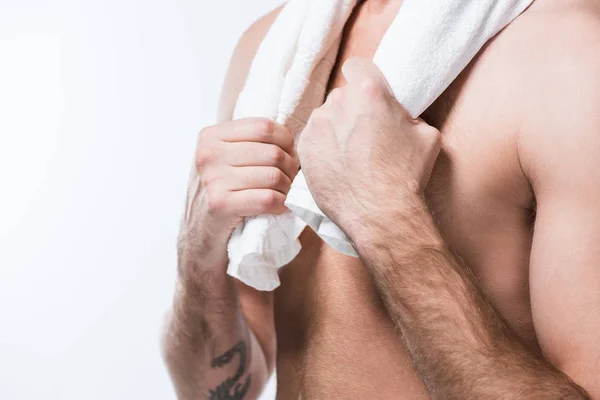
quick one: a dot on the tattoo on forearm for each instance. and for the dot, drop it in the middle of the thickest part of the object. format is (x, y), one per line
(230, 388)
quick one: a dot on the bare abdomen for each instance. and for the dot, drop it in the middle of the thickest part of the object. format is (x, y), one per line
(335, 340)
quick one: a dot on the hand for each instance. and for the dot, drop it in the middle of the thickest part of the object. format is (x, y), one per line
(243, 168)
(361, 152)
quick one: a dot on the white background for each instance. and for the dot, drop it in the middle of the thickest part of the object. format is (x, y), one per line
(100, 103)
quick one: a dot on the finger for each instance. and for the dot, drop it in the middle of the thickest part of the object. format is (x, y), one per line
(362, 71)
(251, 154)
(252, 202)
(259, 130)
(243, 178)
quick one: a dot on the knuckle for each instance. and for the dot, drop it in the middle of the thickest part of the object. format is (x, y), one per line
(215, 201)
(270, 199)
(371, 87)
(264, 126)
(204, 155)
(433, 135)
(437, 137)
(276, 155)
(206, 131)
(276, 178)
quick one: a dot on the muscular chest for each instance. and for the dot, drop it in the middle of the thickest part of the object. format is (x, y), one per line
(477, 182)
(477, 192)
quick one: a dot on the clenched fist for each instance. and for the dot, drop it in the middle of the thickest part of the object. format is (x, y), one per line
(243, 168)
(362, 152)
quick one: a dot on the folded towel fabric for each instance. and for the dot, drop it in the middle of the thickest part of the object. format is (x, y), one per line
(426, 47)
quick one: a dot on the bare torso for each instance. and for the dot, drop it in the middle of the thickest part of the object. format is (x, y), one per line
(334, 337)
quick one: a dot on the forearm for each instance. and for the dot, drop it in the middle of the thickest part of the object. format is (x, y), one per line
(457, 341)
(208, 347)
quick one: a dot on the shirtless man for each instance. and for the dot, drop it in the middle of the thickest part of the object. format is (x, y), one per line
(479, 275)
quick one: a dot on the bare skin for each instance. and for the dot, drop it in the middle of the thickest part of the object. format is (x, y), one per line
(520, 131)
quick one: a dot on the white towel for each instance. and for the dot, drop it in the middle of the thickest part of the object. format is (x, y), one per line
(428, 44)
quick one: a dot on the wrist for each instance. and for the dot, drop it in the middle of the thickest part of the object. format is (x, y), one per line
(202, 260)
(401, 223)
(203, 242)
(380, 218)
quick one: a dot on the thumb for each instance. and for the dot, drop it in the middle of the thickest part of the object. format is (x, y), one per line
(359, 70)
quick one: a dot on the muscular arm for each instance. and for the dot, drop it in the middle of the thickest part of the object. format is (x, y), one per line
(219, 341)
(456, 339)
(458, 343)
(561, 157)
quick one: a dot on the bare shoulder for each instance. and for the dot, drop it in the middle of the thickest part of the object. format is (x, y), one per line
(241, 61)
(557, 37)
(550, 59)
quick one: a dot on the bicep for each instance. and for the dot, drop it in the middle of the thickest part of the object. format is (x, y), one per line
(560, 156)
(559, 147)
(565, 283)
